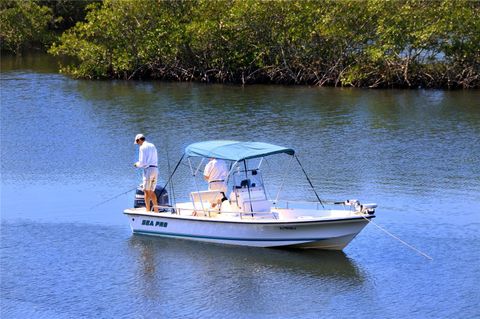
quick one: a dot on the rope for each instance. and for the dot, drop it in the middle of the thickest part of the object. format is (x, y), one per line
(400, 240)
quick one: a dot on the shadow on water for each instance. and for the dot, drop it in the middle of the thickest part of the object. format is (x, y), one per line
(224, 281)
(322, 264)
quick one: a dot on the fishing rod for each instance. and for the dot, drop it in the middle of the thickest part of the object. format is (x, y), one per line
(309, 181)
(172, 190)
(174, 170)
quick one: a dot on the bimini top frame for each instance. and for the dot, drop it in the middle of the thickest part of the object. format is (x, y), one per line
(236, 152)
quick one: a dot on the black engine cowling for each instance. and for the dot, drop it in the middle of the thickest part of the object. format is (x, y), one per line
(162, 197)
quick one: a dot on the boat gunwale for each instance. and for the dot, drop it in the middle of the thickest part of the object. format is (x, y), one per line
(250, 222)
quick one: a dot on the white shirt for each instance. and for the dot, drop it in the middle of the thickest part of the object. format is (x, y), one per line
(216, 170)
(147, 155)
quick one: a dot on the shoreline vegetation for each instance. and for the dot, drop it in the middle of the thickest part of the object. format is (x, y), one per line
(369, 43)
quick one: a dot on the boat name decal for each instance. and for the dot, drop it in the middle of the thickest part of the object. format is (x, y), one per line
(288, 227)
(147, 222)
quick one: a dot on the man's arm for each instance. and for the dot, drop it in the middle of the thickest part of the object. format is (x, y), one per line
(141, 156)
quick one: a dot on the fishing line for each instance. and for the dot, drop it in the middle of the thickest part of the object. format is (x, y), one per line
(112, 198)
(283, 180)
(269, 168)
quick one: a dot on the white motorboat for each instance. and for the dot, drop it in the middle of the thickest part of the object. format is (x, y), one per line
(246, 216)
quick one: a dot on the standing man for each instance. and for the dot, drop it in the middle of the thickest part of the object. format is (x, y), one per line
(148, 160)
(215, 173)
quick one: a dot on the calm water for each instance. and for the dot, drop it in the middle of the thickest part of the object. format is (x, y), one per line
(67, 145)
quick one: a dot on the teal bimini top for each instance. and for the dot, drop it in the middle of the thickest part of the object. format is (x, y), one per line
(233, 150)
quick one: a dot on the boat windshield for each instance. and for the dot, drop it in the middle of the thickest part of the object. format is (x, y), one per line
(251, 178)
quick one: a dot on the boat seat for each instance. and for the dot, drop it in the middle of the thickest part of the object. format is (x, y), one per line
(253, 193)
(260, 205)
(206, 196)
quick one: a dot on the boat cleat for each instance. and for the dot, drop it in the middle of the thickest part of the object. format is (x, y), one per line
(368, 208)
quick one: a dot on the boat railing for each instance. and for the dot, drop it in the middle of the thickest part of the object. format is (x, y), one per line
(352, 205)
(348, 205)
(289, 204)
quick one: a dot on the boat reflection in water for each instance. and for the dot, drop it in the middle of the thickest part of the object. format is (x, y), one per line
(242, 277)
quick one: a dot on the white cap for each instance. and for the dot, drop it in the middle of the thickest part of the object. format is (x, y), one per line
(137, 137)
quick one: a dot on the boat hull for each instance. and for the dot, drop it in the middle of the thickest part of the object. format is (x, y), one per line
(333, 234)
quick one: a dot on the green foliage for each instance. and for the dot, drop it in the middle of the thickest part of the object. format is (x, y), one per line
(66, 12)
(123, 38)
(36, 23)
(23, 22)
(371, 43)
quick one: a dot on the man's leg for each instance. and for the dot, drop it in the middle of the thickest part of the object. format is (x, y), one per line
(147, 199)
(153, 197)
(153, 185)
(150, 196)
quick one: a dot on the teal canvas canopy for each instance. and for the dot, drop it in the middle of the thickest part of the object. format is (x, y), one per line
(233, 150)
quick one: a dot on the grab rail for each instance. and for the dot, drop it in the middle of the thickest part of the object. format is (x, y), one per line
(315, 204)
